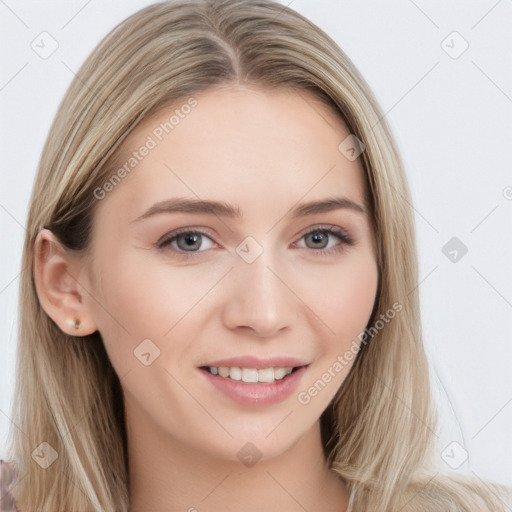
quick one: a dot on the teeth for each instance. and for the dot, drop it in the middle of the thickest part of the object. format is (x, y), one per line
(279, 373)
(266, 375)
(235, 373)
(223, 371)
(251, 374)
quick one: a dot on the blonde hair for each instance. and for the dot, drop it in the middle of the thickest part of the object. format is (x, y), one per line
(379, 431)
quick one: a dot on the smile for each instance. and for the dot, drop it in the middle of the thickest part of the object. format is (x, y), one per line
(252, 375)
(254, 386)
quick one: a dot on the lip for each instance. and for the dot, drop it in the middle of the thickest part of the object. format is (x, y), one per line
(255, 394)
(258, 362)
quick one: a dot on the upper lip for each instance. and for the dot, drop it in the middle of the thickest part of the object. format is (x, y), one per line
(258, 362)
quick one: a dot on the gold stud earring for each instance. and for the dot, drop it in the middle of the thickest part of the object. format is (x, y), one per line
(74, 323)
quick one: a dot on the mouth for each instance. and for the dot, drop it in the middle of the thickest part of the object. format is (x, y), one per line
(251, 380)
(269, 383)
(251, 375)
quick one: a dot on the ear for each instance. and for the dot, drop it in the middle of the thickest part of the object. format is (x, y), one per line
(61, 283)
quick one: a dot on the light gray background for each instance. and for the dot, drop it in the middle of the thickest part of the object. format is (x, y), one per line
(452, 118)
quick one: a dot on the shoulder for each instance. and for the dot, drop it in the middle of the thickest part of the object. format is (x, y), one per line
(8, 476)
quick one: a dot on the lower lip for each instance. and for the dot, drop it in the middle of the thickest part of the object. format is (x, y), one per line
(259, 393)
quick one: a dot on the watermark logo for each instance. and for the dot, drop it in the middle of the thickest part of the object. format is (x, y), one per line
(249, 249)
(249, 455)
(454, 455)
(342, 361)
(45, 455)
(157, 135)
(454, 45)
(455, 249)
(146, 352)
(351, 147)
(45, 45)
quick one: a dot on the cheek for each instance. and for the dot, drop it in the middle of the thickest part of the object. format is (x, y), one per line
(344, 309)
(342, 297)
(135, 301)
(354, 300)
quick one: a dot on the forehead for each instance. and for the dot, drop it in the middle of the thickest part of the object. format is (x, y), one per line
(238, 143)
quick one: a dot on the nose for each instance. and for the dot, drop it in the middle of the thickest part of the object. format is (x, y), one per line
(259, 299)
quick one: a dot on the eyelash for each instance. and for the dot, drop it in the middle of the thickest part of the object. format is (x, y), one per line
(341, 235)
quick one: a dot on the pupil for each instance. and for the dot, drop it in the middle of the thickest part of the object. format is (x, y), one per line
(191, 240)
(318, 237)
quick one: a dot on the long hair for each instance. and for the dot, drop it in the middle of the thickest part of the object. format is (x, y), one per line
(379, 432)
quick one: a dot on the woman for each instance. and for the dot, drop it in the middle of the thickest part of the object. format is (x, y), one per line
(187, 340)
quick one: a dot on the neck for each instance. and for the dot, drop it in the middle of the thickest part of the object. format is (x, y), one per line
(166, 476)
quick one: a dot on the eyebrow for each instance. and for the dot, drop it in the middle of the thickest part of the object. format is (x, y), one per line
(223, 209)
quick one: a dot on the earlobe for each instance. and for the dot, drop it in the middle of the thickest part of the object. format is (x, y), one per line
(57, 275)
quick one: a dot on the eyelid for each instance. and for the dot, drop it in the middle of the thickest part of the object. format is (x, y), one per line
(180, 231)
(328, 227)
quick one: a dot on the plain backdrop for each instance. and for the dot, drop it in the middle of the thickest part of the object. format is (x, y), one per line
(442, 73)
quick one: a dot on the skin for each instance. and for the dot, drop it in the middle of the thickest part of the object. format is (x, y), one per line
(264, 151)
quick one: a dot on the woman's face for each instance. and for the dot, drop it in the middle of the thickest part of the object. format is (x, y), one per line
(243, 287)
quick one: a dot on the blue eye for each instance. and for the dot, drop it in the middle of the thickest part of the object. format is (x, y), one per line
(185, 242)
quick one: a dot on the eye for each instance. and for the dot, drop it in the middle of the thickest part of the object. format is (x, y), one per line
(187, 240)
(319, 237)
